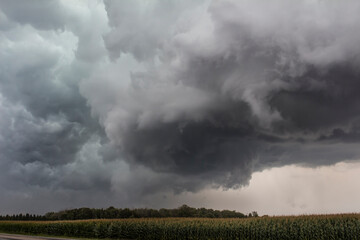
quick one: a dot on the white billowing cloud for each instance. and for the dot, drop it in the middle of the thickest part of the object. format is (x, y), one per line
(141, 28)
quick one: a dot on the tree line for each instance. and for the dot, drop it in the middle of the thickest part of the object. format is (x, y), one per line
(113, 213)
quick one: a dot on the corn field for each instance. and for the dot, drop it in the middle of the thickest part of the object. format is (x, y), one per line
(301, 227)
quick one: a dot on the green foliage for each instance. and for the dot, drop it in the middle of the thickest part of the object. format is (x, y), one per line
(116, 213)
(303, 227)
(254, 214)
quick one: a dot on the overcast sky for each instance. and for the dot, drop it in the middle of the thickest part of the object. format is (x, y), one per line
(243, 105)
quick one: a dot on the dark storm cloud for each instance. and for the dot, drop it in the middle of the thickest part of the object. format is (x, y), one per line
(314, 109)
(233, 90)
(48, 118)
(53, 152)
(131, 99)
(45, 123)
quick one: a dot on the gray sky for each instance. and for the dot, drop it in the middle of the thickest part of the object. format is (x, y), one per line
(221, 104)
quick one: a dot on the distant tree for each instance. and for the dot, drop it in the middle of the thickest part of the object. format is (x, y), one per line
(125, 213)
(165, 212)
(186, 211)
(253, 214)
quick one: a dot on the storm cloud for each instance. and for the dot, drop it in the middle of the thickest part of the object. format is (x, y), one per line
(119, 98)
(230, 88)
